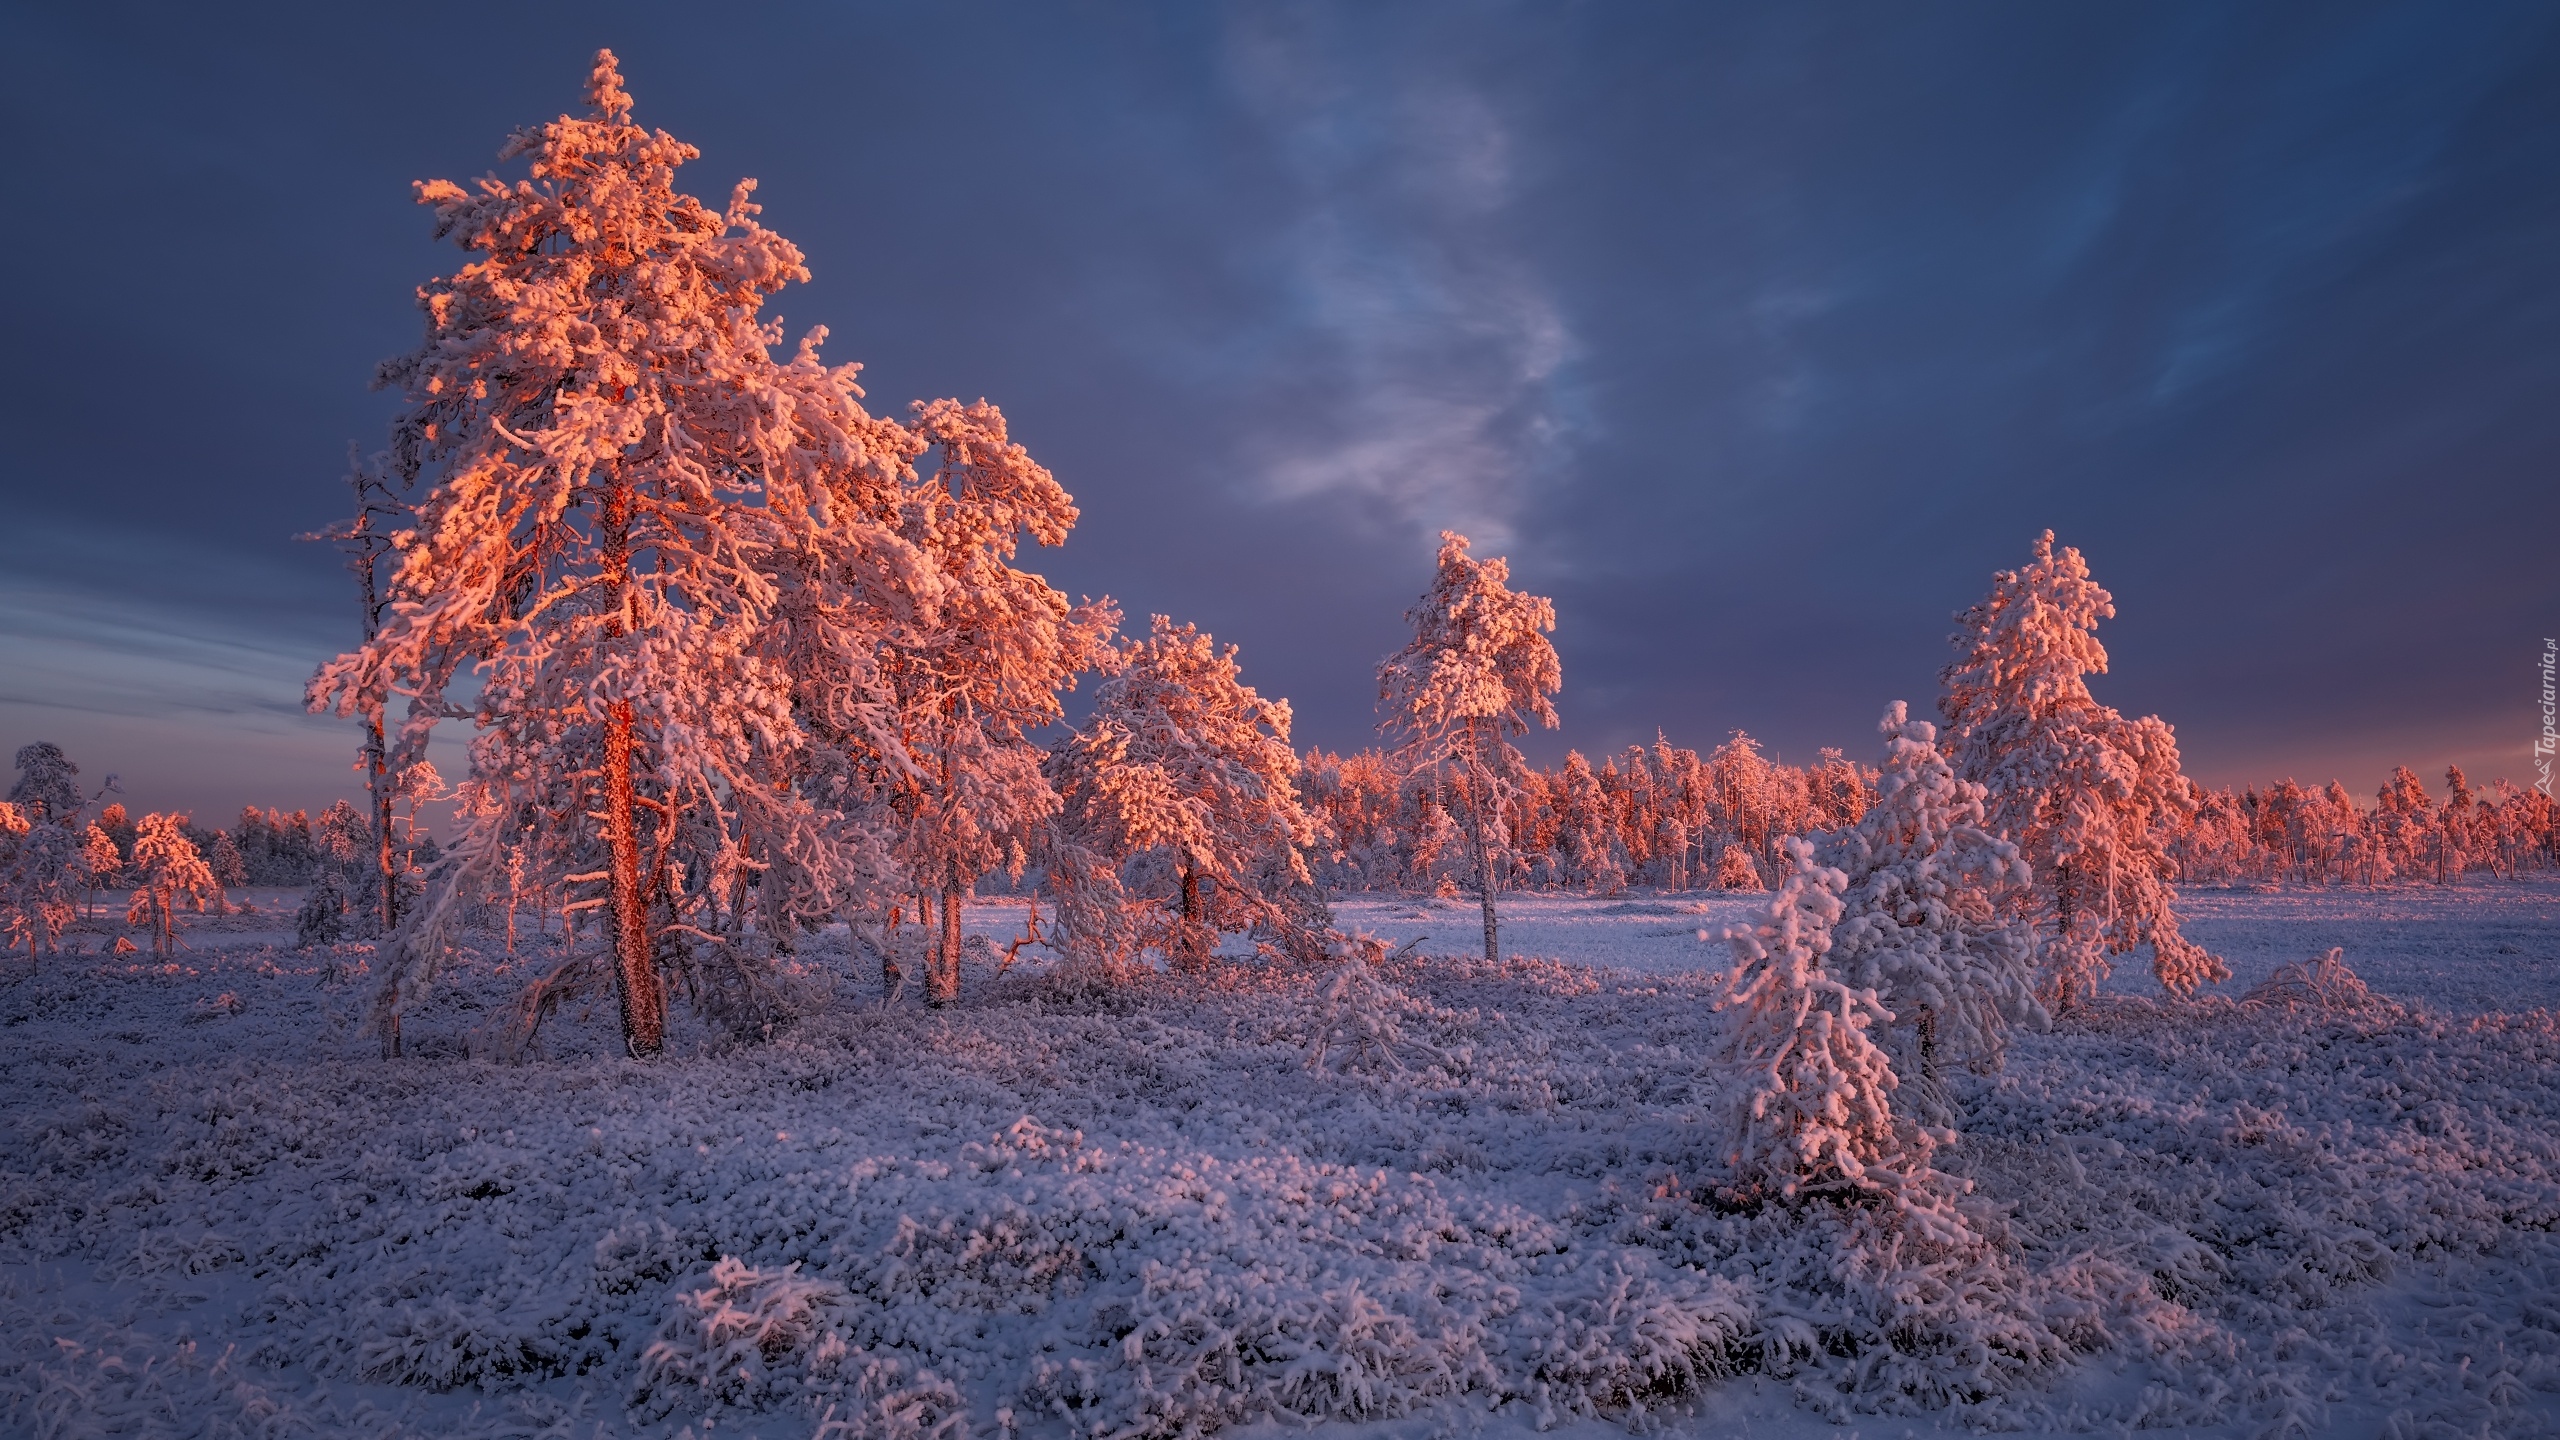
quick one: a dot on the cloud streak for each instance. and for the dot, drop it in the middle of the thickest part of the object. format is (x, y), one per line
(1442, 350)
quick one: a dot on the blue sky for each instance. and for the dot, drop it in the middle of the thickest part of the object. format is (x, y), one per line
(1757, 336)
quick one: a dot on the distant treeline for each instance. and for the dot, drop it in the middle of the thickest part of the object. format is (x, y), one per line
(271, 847)
(1662, 817)
(2289, 832)
(1670, 818)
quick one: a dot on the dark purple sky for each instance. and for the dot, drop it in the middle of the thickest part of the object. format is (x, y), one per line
(1757, 337)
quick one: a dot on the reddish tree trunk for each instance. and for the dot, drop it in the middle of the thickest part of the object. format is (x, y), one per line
(378, 780)
(644, 1006)
(943, 984)
(1195, 944)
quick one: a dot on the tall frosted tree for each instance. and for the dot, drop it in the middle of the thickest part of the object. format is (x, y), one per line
(366, 540)
(2091, 798)
(1746, 796)
(612, 458)
(969, 676)
(1478, 669)
(1586, 842)
(1181, 758)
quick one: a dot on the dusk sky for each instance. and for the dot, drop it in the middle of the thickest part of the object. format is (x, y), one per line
(1758, 337)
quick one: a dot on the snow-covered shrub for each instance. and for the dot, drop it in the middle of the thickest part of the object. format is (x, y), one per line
(1810, 1092)
(1632, 1333)
(1921, 923)
(747, 1338)
(2321, 985)
(1357, 1027)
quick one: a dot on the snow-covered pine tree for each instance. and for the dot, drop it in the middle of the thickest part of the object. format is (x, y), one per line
(1921, 922)
(1181, 756)
(228, 868)
(101, 864)
(971, 676)
(2405, 823)
(39, 870)
(2213, 845)
(47, 789)
(1744, 787)
(1811, 1110)
(612, 459)
(2453, 846)
(168, 870)
(44, 862)
(1479, 668)
(1736, 870)
(2090, 797)
(1586, 838)
(119, 825)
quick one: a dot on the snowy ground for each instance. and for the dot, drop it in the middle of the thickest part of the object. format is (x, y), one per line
(1461, 1199)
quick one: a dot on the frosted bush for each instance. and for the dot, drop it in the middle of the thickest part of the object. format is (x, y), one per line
(2322, 985)
(1629, 1332)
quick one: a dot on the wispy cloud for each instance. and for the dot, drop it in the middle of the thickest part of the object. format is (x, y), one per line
(1444, 346)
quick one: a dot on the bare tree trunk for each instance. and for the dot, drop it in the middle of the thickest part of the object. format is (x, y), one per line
(943, 983)
(1195, 954)
(890, 975)
(378, 780)
(644, 1006)
(1484, 845)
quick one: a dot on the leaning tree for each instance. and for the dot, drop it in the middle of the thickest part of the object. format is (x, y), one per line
(1479, 668)
(2091, 798)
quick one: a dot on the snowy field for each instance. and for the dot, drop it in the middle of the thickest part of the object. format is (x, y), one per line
(1450, 1201)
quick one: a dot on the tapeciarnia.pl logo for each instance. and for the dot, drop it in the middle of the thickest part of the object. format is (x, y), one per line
(2550, 738)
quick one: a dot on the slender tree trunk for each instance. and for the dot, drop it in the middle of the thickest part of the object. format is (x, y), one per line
(644, 1006)
(1195, 949)
(378, 780)
(635, 973)
(944, 982)
(890, 974)
(1484, 844)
